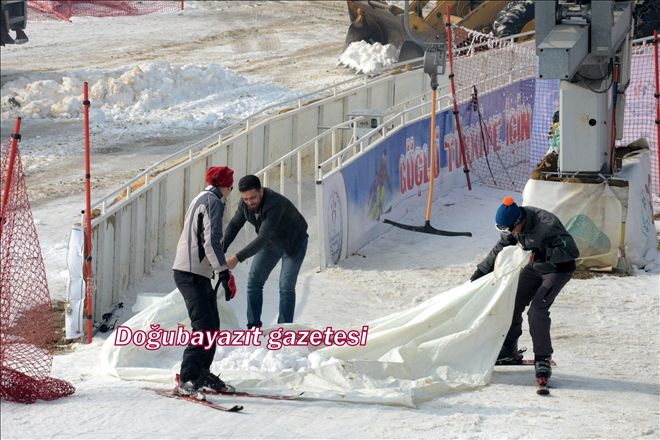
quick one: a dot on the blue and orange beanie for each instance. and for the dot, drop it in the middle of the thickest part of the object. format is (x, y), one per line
(508, 214)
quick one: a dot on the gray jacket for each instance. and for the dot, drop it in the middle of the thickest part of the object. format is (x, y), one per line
(554, 250)
(199, 250)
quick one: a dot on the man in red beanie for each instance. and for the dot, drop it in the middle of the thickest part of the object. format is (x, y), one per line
(198, 256)
(551, 266)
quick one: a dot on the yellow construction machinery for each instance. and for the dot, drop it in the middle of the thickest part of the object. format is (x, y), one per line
(379, 21)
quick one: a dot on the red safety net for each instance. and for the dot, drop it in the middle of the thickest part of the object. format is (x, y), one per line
(27, 330)
(65, 9)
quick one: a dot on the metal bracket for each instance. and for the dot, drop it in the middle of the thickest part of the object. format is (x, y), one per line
(435, 53)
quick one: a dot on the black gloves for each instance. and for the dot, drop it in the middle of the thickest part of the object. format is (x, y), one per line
(477, 274)
(228, 283)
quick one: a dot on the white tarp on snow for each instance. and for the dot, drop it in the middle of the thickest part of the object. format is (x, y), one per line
(449, 342)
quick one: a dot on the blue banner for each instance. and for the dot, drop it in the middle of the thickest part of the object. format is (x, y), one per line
(393, 177)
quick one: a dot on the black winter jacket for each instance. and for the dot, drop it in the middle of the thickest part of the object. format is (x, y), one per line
(553, 248)
(278, 222)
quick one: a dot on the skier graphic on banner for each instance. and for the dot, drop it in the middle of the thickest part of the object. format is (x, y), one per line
(380, 189)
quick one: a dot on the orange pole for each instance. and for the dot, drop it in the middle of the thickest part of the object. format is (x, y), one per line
(453, 94)
(429, 202)
(15, 137)
(88, 217)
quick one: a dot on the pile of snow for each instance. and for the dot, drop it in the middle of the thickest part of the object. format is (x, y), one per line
(187, 96)
(367, 58)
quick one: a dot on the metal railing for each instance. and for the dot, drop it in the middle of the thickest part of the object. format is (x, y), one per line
(401, 119)
(244, 124)
(336, 150)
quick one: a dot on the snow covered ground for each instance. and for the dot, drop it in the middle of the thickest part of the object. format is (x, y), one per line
(605, 337)
(605, 329)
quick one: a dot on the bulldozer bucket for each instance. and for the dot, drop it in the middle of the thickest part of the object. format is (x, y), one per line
(410, 50)
(378, 22)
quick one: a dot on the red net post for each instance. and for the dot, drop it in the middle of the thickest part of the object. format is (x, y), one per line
(10, 172)
(27, 330)
(461, 141)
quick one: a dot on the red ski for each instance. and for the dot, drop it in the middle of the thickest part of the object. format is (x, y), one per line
(231, 391)
(171, 394)
(246, 394)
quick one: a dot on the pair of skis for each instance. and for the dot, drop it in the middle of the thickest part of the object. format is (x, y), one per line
(174, 395)
(230, 392)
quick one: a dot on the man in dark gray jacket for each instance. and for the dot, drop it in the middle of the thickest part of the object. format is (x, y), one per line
(281, 234)
(551, 266)
(198, 255)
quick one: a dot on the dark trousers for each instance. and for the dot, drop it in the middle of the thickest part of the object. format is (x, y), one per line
(262, 265)
(538, 291)
(202, 304)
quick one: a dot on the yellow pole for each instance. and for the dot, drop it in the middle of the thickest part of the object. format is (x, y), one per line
(429, 202)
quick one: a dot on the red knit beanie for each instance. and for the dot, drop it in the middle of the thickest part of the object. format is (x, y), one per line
(220, 176)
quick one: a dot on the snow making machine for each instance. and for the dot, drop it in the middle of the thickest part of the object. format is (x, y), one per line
(601, 193)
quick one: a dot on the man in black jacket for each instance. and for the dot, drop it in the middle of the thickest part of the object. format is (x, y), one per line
(281, 234)
(551, 266)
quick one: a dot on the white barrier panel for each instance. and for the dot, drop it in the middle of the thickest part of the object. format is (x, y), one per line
(73, 319)
(640, 240)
